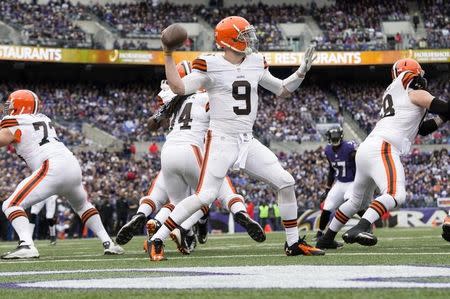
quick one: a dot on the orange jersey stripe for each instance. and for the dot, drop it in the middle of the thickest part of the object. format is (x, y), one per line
(23, 193)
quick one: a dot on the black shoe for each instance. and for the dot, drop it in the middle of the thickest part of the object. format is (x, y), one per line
(126, 233)
(254, 230)
(302, 248)
(191, 242)
(202, 232)
(446, 229)
(359, 235)
(52, 240)
(325, 243)
(179, 235)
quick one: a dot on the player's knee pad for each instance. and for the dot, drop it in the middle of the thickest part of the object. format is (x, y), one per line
(50, 221)
(33, 218)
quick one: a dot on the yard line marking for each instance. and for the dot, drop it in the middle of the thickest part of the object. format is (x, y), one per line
(220, 257)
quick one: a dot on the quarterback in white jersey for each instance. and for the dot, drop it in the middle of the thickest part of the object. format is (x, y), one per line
(231, 80)
(405, 104)
(50, 210)
(55, 171)
(181, 161)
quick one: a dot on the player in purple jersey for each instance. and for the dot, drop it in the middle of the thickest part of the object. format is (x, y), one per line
(341, 158)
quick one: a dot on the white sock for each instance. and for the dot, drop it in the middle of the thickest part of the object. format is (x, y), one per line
(164, 213)
(191, 221)
(146, 206)
(22, 227)
(288, 212)
(236, 205)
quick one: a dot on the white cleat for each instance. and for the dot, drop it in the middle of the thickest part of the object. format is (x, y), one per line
(22, 252)
(112, 249)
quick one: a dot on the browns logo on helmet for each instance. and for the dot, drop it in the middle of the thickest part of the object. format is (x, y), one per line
(237, 34)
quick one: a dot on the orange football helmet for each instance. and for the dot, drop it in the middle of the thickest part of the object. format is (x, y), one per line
(406, 64)
(237, 34)
(22, 101)
(184, 68)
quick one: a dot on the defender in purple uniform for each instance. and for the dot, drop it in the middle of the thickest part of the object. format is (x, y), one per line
(341, 158)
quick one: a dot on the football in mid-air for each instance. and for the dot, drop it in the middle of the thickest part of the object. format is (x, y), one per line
(173, 36)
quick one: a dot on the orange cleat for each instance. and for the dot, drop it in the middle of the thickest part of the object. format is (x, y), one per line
(155, 250)
(302, 248)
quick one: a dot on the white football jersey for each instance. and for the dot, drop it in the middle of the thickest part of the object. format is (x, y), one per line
(232, 90)
(191, 122)
(36, 139)
(400, 118)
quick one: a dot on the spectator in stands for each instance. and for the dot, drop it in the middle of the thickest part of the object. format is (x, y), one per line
(398, 41)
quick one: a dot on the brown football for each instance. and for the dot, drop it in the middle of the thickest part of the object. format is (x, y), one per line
(173, 36)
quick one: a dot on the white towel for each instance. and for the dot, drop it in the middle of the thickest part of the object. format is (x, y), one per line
(243, 144)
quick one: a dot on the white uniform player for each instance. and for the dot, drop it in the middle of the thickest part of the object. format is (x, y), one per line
(50, 210)
(233, 94)
(55, 171)
(378, 162)
(181, 162)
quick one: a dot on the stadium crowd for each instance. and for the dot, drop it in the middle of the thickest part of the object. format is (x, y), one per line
(346, 25)
(48, 25)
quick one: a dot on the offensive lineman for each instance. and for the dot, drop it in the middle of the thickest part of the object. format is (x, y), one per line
(181, 160)
(405, 105)
(231, 81)
(55, 171)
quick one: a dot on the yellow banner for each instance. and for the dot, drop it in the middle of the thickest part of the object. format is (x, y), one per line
(88, 56)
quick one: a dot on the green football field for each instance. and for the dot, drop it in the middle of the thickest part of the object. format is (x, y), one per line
(406, 263)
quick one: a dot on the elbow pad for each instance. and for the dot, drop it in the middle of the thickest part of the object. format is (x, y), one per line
(440, 107)
(292, 82)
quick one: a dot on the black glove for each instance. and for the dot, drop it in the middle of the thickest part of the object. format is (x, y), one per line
(324, 195)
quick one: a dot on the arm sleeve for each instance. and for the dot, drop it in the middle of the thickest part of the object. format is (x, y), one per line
(194, 81)
(430, 125)
(271, 83)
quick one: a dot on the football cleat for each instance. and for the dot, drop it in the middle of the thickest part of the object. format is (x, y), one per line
(126, 233)
(156, 250)
(325, 243)
(446, 229)
(191, 242)
(202, 231)
(178, 235)
(21, 252)
(302, 248)
(112, 249)
(53, 240)
(153, 226)
(254, 230)
(358, 235)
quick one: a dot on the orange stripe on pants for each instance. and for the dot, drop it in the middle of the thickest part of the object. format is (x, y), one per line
(205, 161)
(30, 185)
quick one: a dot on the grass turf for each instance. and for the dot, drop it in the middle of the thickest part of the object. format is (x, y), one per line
(421, 246)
